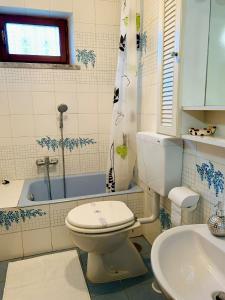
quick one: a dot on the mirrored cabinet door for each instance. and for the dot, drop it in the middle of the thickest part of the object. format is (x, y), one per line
(215, 82)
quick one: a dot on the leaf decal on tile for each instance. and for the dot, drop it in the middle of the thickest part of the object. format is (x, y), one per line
(69, 143)
(7, 218)
(214, 178)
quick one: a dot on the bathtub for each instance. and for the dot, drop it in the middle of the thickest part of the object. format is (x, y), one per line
(79, 187)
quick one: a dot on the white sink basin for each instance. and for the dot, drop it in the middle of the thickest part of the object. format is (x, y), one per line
(189, 263)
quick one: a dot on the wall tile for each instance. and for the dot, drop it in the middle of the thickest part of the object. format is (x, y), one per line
(105, 103)
(61, 238)
(44, 103)
(84, 11)
(13, 3)
(107, 12)
(36, 241)
(45, 125)
(38, 221)
(62, 6)
(5, 127)
(20, 103)
(4, 102)
(40, 4)
(87, 103)
(89, 163)
(104, 123)
(88, 123)
(59, 211)
(11, 246)
(22, 125)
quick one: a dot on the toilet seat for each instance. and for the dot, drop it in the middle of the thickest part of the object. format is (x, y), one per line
(100, 217)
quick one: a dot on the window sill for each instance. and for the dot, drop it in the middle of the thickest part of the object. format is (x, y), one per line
(38, 66)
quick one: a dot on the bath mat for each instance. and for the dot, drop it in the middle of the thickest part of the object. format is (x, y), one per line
(49, 277)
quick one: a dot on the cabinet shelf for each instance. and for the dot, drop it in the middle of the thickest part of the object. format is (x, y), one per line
(205, 108)
(210, 140)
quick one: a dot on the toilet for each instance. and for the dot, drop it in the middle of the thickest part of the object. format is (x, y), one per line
(102, 228)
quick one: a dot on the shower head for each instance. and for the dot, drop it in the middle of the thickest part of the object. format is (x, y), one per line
(62, 108)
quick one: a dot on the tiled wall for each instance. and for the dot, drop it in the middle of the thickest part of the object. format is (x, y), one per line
(196, 154)
(48, 233)
(148, 90)
(148, 84)
(29, 97)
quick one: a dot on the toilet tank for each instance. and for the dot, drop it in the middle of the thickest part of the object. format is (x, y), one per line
(159, 161)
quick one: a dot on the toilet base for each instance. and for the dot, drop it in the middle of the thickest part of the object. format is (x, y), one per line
(124, 262)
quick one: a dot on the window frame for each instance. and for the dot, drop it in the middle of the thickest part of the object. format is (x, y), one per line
(5, 56)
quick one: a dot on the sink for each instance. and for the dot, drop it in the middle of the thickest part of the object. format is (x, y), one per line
(189, 263)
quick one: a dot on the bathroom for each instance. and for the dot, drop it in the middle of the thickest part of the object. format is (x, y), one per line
(112, 142)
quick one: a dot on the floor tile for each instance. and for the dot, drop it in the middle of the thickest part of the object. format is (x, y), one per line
(1, 289)
(53, 277)
(143, 292)
(112, 296)
(138, 288)
(3, 270)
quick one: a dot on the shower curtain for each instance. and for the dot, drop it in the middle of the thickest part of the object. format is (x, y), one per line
(122, 152)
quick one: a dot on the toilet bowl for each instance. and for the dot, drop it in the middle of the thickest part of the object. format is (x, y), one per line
(102, 229)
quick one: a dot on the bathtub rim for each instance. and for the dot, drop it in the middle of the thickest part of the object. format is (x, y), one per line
(24, 202)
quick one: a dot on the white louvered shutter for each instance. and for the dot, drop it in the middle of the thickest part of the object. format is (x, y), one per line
(169, 58)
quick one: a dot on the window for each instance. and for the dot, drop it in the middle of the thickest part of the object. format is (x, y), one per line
(33, 39)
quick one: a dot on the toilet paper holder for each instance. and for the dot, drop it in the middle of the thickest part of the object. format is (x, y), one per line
(184, 197)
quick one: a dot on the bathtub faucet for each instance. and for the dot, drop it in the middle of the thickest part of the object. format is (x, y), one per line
(46, 161)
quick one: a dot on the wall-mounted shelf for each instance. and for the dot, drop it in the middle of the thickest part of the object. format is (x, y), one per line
(205, 108)
(216, 141)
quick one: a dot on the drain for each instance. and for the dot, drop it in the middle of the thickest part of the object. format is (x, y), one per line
(31, 197)
(218, 296)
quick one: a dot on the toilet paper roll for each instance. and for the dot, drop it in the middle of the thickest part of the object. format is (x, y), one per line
(182, 196)
(176, 214)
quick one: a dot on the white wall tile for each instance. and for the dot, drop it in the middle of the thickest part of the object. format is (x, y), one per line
(20, 103)
(11, 246)
(44, 103)
(22, 125)
(104, 123)
(105, 103)
(5, 126)
(70, 124)
(13, 3)
(36, 241)
(4, 103)
(62, 6)
(87, 103)
(107, 12)
(88, 123)
(84, 11)
(38, 4)
(45, 125)
(61, 238)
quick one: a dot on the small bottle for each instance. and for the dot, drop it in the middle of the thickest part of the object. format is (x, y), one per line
(216, 223)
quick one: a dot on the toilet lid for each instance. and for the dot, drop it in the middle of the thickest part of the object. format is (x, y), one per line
(97, 215)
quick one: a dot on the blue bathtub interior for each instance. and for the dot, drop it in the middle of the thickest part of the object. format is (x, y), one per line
(77, 187)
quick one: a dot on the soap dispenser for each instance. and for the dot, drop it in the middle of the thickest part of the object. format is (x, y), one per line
(216, 223)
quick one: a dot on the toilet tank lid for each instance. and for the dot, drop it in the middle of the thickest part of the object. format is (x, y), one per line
(159, 138)
(102, 214)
